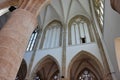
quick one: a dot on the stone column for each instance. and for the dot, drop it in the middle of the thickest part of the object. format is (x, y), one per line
(14, 37)
(63, 74)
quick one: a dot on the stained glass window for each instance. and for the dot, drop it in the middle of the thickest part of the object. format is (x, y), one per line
(87, 75)
(32, 41)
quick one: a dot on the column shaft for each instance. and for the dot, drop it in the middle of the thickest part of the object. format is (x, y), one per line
(14, 37)
(63, 76)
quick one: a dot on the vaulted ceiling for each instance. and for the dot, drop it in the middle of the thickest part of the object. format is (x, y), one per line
(63, 10)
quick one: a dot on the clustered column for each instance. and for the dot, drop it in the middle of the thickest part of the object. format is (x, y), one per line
(15, 34)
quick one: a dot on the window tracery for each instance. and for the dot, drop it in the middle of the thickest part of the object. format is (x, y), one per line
(79, 31)
(52, 35)
(86, 75)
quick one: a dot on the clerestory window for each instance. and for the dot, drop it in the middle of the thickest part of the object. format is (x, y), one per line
(79, 31)
(32, 41)
(52, 36)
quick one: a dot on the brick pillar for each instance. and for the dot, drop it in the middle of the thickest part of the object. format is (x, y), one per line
(14, 36)
(13, 41)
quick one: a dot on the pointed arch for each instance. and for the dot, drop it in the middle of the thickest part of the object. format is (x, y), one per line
(80, 30)
(50, 57)
(52, 35)
(50, 14)
(79, 16)
(53, 21)
(46, 68)
(85, 60)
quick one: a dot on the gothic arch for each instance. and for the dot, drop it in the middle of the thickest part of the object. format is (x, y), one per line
(53, 21)
(85, 60)
(79, 16)
(46, 68)
(80, 30)
(52, 32)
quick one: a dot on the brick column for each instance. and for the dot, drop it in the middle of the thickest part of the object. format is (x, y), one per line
(14, 37)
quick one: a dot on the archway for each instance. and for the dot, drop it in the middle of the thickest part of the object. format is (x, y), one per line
(22, 71)
(47, 69)
(85, 66)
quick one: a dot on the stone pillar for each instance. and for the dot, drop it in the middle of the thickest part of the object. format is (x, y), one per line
(13, 41)
(63, 74)
(14, 37)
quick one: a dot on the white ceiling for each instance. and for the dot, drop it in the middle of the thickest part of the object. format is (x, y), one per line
(63, 10)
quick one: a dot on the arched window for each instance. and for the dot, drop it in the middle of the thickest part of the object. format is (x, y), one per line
(86, 75)
(32, 41)
(79, 31)
(52, 35)
(99, 6)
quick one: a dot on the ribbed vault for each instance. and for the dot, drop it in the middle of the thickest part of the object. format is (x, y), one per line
(63, 10)
(47, 69)
(85, 61)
